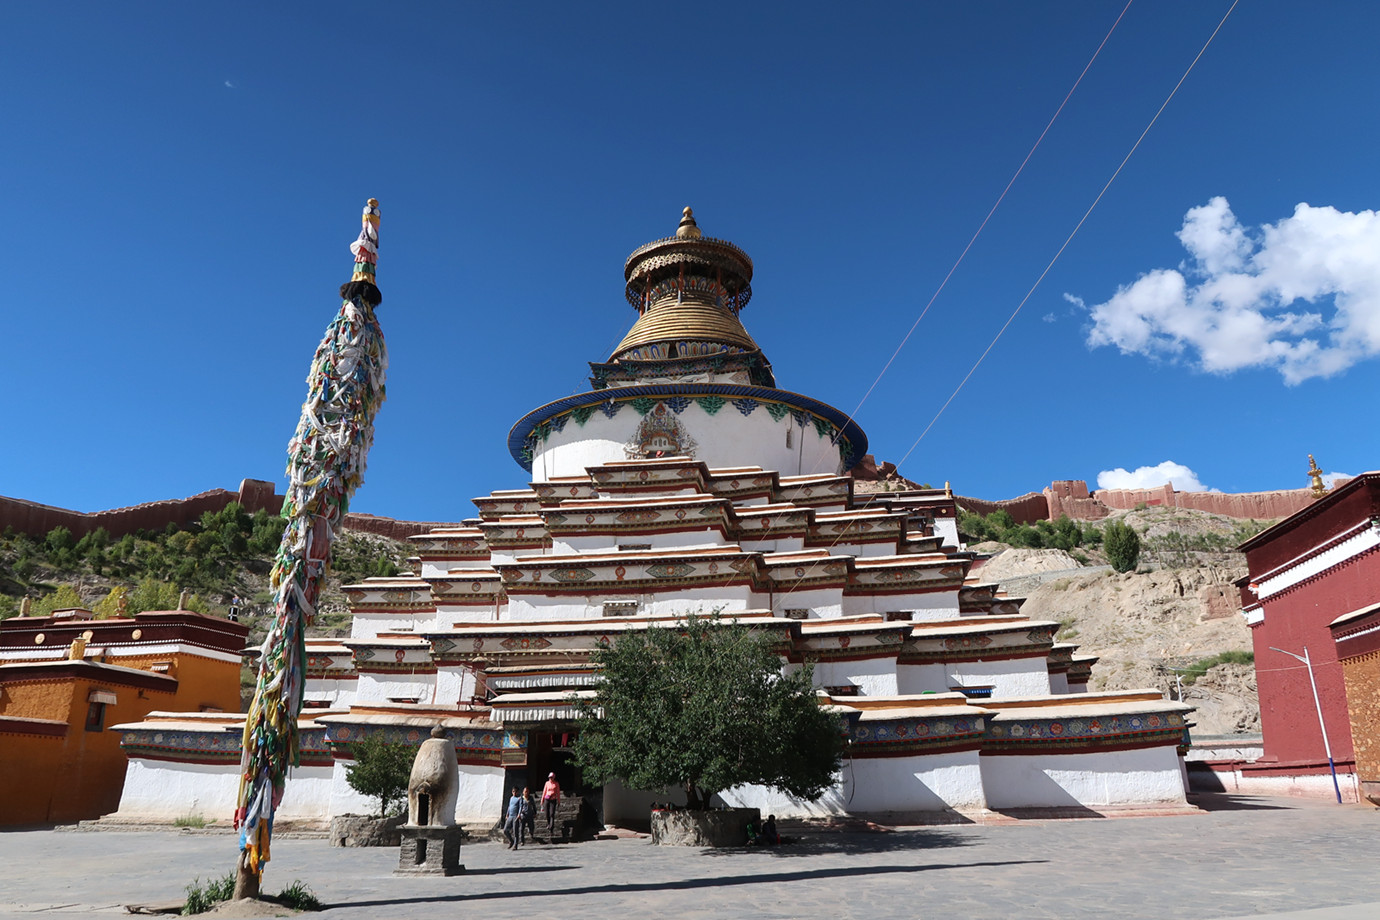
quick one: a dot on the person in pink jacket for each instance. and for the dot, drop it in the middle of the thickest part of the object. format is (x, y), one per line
(550, 798)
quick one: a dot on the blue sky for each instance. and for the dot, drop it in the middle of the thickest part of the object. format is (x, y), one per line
(183, 182)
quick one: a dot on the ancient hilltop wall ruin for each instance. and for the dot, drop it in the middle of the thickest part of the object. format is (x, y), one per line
(1071, 497)
(254, 495)
(1025, 509)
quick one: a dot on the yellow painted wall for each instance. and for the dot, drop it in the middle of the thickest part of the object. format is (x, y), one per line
(81, 777)
(28, 775)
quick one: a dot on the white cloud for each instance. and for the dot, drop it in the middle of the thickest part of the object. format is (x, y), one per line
(229, 85)
(1049, 317)
(1152, 477)
(1301, 296)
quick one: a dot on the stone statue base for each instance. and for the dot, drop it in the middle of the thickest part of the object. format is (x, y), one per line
(430, 850)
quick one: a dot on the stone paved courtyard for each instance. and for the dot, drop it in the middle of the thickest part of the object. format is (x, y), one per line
(1242, 857)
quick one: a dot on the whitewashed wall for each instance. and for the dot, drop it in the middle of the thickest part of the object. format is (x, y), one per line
(1144, 777)
(823, 603)
(162, 791)
(725, 439)
(709, 537)
(873, 676)
(374, 688)
(928, 607)
(527, 607)
(365, 625)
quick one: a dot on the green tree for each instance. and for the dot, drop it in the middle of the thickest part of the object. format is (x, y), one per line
(1122, 545)
(152, 594)
(381, 771)
(109, 606)
(64, 598)
(703, 706)
(8, 606)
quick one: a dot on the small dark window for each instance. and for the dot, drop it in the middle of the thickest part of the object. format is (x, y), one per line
(797, 613)
(95, 717)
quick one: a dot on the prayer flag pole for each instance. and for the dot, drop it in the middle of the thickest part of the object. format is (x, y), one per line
(326, 460)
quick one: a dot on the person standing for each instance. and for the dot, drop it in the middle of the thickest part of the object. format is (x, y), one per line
(512, 827)
(529, 814)
(550, 799)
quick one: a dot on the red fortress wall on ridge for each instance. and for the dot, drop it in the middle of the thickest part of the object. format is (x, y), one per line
(254, 495)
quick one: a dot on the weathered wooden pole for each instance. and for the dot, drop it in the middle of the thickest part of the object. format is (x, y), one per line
(326, 459)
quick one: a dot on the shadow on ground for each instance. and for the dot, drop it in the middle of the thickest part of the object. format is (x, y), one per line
(1223, 801)
(816, 843)
(683, 885)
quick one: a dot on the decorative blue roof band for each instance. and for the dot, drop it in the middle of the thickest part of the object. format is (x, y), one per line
(521, 436)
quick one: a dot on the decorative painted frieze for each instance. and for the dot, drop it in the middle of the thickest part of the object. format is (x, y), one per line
(901, 733)
(814, 491)
(505, 503)
(637, 572)
(1018, 732)
(467, 588)
(389, 595)
(451, 546)
(516, 533)
(966, 640)
(391, 656)
(906, 574)
(770, 522)
(672, 514)
(653, 475)
(742, 484)
(557, 491)
(214, 744)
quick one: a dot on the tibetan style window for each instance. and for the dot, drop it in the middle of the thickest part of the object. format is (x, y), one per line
(788, 437)
(620, 608)
(842, 690)
(633, 547)
(95, 717)
(797, 613)
(894, 615)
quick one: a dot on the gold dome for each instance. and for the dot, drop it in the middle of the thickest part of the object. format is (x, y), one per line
(688, 321)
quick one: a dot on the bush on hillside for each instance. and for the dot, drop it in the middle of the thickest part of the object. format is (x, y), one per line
(1122, 545)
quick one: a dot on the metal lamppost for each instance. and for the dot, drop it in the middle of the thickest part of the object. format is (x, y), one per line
(1317, 705)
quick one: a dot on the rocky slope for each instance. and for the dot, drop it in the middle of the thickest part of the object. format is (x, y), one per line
(1168, 614)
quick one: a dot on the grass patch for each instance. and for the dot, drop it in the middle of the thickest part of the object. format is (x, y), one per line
(201, 898)
(1066, 630)
(1200, 667)
(196, 821)
(299, 897)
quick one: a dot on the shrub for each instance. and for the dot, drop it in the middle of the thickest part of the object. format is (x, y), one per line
(1193, 672)
(1122, 544)
(381, 771)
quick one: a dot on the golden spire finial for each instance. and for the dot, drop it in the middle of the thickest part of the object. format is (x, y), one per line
(688, 229)
(1315, 475)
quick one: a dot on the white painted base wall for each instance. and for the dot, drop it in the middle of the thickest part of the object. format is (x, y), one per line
(1145, 777)
(159, 790)
(480, 799)
(1018, 677)
(1309, 785)
(933, 782)
(872, 676)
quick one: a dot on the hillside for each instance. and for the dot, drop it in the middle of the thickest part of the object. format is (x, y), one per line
(224, 555)
(1177, 610)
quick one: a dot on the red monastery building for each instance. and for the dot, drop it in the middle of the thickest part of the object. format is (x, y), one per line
(1314, 585)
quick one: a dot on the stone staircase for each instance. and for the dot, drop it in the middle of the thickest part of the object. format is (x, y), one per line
(575, 821)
